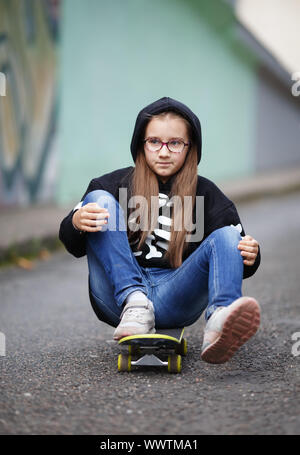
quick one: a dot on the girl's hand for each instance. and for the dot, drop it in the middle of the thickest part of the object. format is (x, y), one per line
(249, 249)
(90, 218)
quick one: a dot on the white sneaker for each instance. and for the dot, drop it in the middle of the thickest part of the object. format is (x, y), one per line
(229, 328)
(137, 317)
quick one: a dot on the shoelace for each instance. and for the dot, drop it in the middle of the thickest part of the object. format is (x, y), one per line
(137, 313)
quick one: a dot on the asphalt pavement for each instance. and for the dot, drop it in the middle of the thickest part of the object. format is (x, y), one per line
(59, 376)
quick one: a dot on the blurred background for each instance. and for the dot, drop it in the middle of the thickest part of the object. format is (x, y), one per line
(78, 72)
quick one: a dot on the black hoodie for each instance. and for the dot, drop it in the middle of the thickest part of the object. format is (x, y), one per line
(219, 211)
(163, 105)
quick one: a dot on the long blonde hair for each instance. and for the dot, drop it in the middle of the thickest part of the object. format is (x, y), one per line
(144, 183)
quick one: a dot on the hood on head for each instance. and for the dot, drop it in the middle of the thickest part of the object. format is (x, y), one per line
(162, 105)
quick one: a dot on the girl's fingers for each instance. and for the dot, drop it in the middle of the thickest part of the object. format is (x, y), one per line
(100, 222)
(251, 249)
(247, 237)
(93, 228)
(93, 207)
(246, 262)
(93, 223)
(249, 242)
(94, 216)
(248, 255)
(248, 258)
(101, 216)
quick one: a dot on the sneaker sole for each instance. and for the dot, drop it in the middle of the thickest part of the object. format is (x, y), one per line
(128, 333)
(241, 324)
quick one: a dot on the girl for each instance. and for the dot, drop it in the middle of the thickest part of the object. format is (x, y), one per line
(178, 251)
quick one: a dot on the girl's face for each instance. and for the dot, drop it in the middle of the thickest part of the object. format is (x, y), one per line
(165, 163)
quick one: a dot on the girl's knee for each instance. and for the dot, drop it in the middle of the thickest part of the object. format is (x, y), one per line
(106, 200)
(101, 197)
(228, 233)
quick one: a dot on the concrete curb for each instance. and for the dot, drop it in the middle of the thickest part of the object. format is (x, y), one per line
(262, 185)
(26, 231)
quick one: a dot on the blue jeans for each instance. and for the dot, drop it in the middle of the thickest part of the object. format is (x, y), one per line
(210, 277)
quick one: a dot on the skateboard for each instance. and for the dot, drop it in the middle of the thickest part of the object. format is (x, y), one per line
(164, 348)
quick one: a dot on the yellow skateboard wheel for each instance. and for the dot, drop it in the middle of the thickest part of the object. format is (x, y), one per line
(174, 363)
(124, 362)
(182, 347)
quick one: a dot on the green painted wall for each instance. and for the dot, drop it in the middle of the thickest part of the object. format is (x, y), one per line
(120, 55)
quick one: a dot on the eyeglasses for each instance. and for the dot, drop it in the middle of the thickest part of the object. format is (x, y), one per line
(154, 144)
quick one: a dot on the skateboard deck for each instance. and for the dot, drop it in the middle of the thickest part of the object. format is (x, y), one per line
(163, 348)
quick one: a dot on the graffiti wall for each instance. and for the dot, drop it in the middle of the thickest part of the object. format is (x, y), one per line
(28, 100)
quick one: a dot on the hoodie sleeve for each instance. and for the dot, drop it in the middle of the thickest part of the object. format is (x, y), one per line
(221, 212)
(73, 239)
